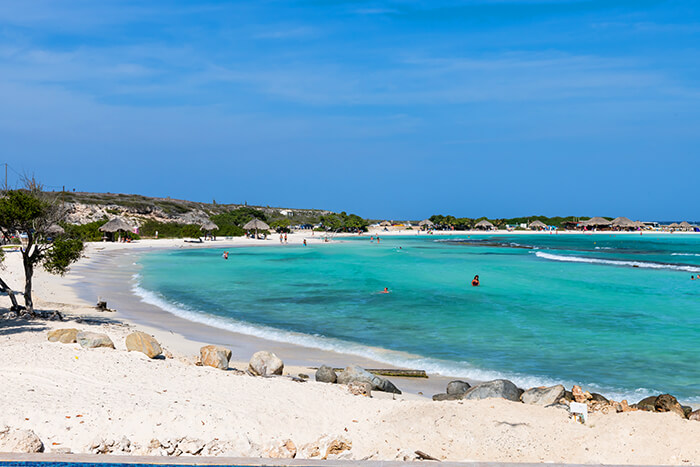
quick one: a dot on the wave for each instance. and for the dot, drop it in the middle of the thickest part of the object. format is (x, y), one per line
(685, 254)
(460, 369)
(615, 262)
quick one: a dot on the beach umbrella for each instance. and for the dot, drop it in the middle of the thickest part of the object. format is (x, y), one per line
(256, 224)
(685, 225)
(385, 224)
(208, 226)
(675, 225)
(594, 221)
(623, 222)
(55, 229)
(115, 225)
(537, 225)
(485, 225)
(426, 224)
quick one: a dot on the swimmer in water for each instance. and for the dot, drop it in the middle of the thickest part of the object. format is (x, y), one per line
(386, 290)
(475, 281)
(225, 255)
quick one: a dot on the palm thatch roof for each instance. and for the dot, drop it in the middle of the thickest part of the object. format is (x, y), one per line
(538, 225)
(596, 221)
(623, 222)
(115, 225)
(208, 226)
(675, 225)
(385, 224)
(639, 224)
(427, 222)
(256, 224)
(484, 224)
(55, 229)
(685, 225)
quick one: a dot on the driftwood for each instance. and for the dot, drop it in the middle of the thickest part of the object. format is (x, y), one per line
(427, 457)
(390, 372)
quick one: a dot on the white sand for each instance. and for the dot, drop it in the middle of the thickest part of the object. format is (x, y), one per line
(45, 386)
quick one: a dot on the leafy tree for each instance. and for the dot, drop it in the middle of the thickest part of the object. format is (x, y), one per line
(192, 231)
(30, 213)
(280, 225)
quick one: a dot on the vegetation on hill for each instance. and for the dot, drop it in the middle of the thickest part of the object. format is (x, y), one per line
(466, 223)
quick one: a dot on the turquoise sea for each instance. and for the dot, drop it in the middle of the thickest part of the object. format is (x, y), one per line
(616, 313)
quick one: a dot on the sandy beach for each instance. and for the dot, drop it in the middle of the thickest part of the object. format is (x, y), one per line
(114, 401)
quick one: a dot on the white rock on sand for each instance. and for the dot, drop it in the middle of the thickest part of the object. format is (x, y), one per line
(72, 396)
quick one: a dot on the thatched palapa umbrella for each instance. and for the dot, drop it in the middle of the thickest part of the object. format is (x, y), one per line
(385, 224)
(426, 224)
(597, 222)
(55, 229)
(675, 225)
(209, 226)
(484, 225)
(256, 224)
(623, 222)
(685, 225)
(539, 225)
(116, 225)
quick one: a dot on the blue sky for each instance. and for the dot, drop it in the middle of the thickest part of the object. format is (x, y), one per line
(394, 109)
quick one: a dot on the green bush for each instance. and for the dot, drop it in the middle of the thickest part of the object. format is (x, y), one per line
(86, 232)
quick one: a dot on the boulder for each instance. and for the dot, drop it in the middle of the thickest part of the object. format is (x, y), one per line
(457, 387)
(694, 416)
(325, 374)
(93, 340)
(141, 342)
(543, 396)
(447, 397)
(648, 404)
(19, 441)
(215, 356)
(580, 395)
(265, 363)
(354, 373)
(668, 403)
(359, 388)
(499, 388)
(64, 336)
(599, 398)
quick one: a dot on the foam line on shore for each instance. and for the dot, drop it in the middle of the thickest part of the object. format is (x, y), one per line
(400, 359)
(614, 262)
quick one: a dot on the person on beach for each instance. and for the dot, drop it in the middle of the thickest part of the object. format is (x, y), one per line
(281, 238)
(475, 281)
(304, 242)
(285, 239)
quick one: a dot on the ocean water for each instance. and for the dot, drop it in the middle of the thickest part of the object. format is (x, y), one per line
(616, 313)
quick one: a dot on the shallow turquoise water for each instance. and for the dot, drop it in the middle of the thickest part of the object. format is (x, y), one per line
(617, 313)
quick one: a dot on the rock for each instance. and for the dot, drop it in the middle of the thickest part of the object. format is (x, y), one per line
(360, 388)
(141, 342)
(457, 387)
(265, 363)
(326, 447)
(543, 396)
(687, 410)
(190, 446)
(499, 388)
(694, 416)
(599, 398)
(648, 404)
(64, 336)
(215, 356)
(93, 340)
(286, 450)
(325, 374)
(580, 395)
(355, 373)
(668, 403)
(568, 396)
(447, 397)
(19, 441)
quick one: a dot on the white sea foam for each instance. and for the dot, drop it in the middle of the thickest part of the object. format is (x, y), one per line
(685, 254)
(614, 262)
(401, 359)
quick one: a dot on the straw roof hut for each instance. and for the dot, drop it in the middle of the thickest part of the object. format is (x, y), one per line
(537, 225)
(55, 229)
(385, 224)
(685, 225)
(484, 225)
(256, 224)
(597, 221)
(208, 226)
(623, 223)
(426, 222)
(639, 224)
(115, 225)
(675, 225)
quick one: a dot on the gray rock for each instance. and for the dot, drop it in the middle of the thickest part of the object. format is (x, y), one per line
(19, 441)
(457, 387)
(599, 398)
(355, 373)
(499, 388)
(648, 404)
(93, 340)
(265, 363)
(447, 397)
(325, 374)
(694, 415)
(190, 445)
(543, 396)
